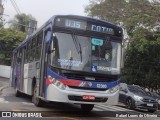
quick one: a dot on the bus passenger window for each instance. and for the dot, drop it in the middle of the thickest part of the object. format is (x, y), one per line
(33, 53)
(38, 53)
(39, 38)
(54, 52)
(34, 42)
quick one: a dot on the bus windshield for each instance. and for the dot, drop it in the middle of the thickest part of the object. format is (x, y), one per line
(90, 54)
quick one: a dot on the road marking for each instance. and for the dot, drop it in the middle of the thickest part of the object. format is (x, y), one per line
(115, 108)
(2, 100)
(65, 118)
(16, 110)
(27, 103)
(104, 108)
(97, 109)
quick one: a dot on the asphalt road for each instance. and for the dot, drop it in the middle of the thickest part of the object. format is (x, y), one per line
(64, 111)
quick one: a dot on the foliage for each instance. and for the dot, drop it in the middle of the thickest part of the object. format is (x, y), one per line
(1, 24)
(142, 60)
(9, 39)
(140, 18)
(20, 22)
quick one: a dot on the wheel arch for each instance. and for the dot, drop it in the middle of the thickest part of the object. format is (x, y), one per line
(33, 83)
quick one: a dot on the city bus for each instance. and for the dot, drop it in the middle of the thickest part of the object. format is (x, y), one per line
(70, 59)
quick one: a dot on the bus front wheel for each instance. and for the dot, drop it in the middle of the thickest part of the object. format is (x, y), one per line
(87, 107)
(37, 101)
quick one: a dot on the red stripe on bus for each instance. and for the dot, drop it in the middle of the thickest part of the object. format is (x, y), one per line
(48, 82)
(70, 82)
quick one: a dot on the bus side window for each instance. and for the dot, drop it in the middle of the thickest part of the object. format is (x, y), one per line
(39, 38)
(19, 56)
(38, 45)
(29, 54)
(54, 52)
(38, 53)
(25, 53)
(29, 45)
(34, 42)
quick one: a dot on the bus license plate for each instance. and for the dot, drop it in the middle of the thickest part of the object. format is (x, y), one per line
(88, 97)
(151, 105)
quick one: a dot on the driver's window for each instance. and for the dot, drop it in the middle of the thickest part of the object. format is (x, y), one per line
(54, 51)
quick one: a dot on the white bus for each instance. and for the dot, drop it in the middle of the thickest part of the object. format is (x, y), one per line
(71, 59)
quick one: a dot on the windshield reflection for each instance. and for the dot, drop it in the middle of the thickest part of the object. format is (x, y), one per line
(82, 53)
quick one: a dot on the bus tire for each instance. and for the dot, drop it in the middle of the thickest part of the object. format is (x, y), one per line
(18, 93)
(37, 101)
(130, 104)
(87, 107)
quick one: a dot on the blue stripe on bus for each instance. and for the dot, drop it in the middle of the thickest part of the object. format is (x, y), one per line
(86, 84)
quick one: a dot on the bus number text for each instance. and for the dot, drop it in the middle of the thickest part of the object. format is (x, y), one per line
(101, 86)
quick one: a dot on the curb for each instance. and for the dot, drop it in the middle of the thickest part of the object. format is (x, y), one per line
(2, 88)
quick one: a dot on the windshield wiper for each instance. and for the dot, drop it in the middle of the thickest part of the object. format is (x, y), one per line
(77, 44)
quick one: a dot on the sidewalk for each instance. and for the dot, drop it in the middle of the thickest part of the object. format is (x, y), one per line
(4, 82)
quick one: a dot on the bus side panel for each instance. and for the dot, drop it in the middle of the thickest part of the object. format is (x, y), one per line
(13, 72)
(22, 71)
(37, 75)
(17, 74)
(29, 74)
(26, 68)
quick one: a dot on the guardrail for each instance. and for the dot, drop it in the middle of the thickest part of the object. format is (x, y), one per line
(5, 71)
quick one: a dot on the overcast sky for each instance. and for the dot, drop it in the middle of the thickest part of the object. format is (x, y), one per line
(42, 10)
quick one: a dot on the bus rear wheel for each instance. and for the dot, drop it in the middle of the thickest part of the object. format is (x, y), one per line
(18, 93)
(37, 101)
(87, 107)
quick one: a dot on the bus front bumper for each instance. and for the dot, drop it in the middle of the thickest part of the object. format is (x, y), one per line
(70, 95)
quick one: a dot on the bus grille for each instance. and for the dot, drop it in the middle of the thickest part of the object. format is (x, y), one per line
(85, 88)
(149, 101)
(79, 98)
(76, 76)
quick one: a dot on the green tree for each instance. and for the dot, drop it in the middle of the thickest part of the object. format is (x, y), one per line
(9, 39)
(20, 22)
(142, 62)
(1, 24)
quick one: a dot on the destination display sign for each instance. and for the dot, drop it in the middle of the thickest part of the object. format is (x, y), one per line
(86, 25)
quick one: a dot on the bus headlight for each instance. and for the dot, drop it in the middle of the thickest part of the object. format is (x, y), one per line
(138, 98)
(57, 83)
(114, 89)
